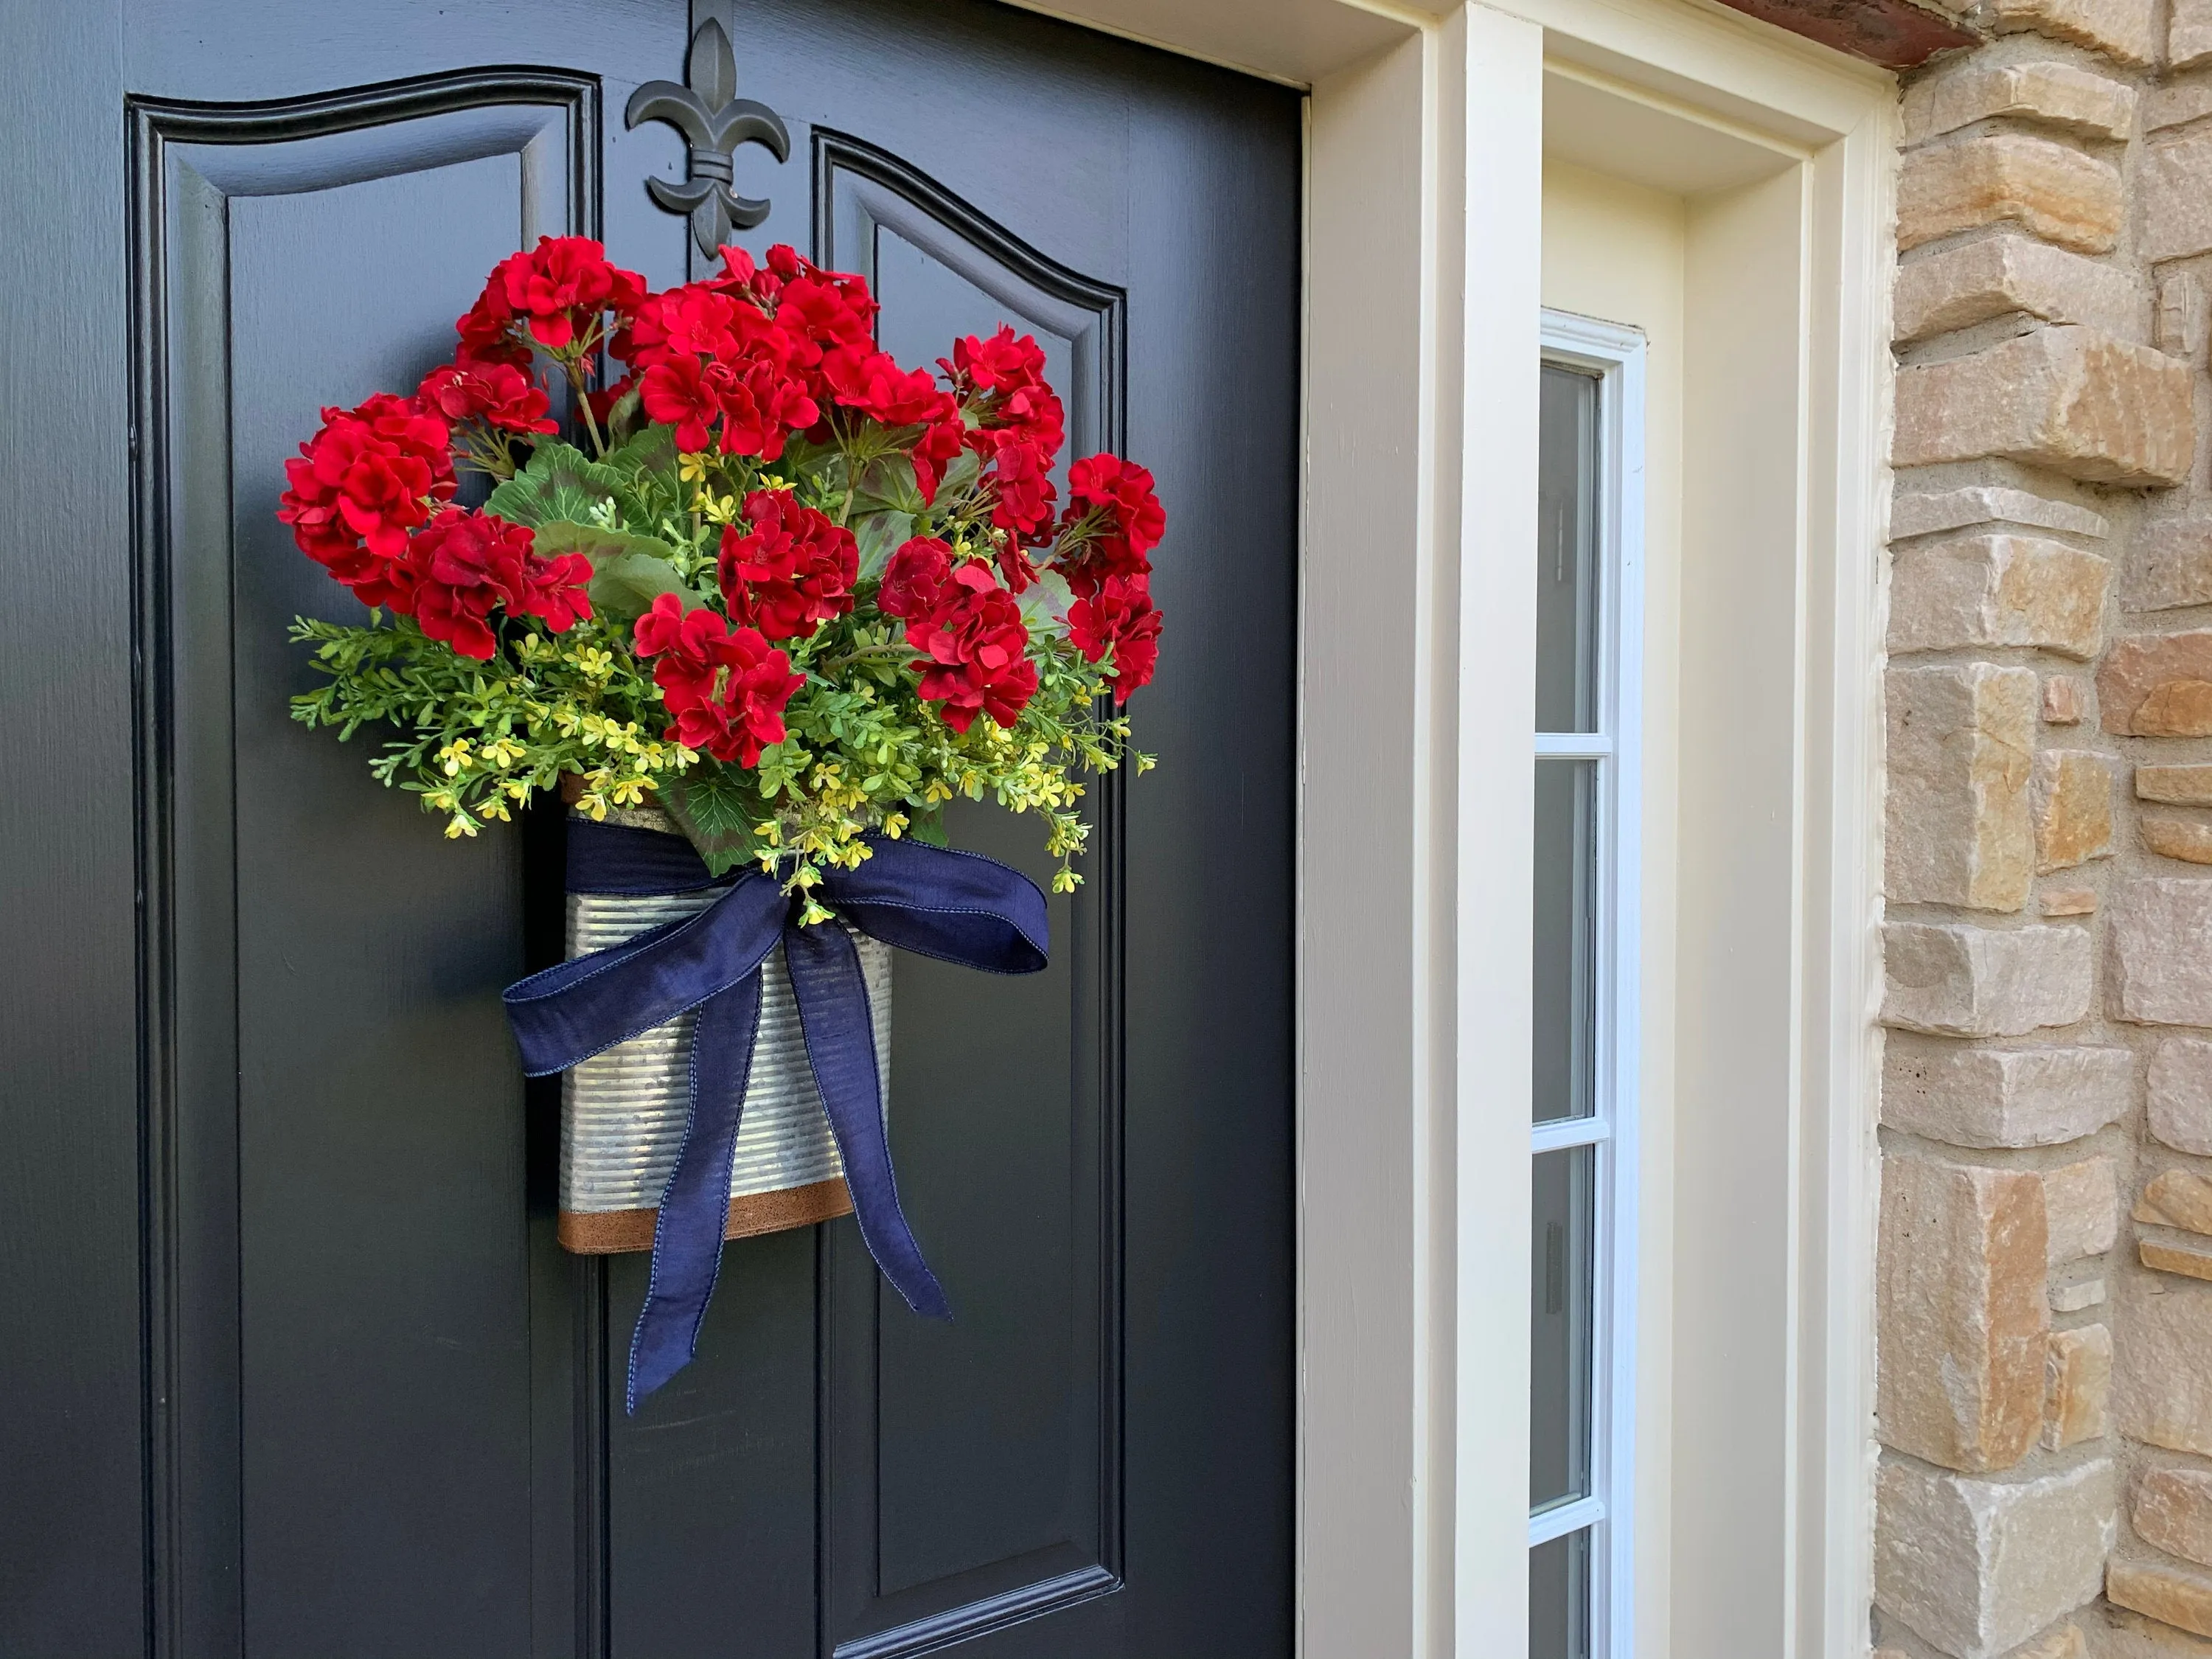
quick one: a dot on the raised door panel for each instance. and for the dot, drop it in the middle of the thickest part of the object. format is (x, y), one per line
(338, 1180)
(973, 1468)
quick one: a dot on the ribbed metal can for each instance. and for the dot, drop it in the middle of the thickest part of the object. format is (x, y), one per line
(624, 1111)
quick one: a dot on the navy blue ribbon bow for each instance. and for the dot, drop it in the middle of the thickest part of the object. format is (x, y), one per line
(954, 906)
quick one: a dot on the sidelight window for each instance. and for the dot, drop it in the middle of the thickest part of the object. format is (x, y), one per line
(1588, 617)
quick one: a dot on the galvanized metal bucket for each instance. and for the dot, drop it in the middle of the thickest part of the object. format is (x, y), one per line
(622, 1112)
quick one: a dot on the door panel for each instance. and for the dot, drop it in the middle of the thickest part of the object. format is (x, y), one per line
(974, 1468)
(345, 1225)
(379, 1411)
(380, 1258)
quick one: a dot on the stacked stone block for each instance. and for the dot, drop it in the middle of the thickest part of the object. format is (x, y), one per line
(2043, 1398)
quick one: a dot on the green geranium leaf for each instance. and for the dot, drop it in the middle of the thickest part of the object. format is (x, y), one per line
(880, 535)
(560, 482)
(597, 544)
(887, 484)
(628, 572)
(652, 449)
(624, 419)
(801, 458)
(960, 472)
(718, 807)
(1044, 604)
(624, 587)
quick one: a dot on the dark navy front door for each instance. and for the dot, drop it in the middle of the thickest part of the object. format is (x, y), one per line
(291, 1364)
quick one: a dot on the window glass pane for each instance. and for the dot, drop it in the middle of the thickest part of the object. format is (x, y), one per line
(1560, 1598)
(1565, 939)
(1566, 553)
(1562, 1383)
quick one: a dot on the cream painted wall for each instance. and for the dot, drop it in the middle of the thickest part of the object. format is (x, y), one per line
(1615, 251)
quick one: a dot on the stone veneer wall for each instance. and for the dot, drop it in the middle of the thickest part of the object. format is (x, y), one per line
(2044, 1394)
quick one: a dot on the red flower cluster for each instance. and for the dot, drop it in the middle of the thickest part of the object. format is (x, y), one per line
(864, 379)
(556, 296)
(726, 687)
(1107, 537)
(741, 360)
(764, 351)
(793, 571)
(1112, 525)
(1001, 382)
(362, 483)
(967, 626)
(367, 502)
(464, 564)
(1120, 613)
(705, 357)
(499, 394)
(1020, 425)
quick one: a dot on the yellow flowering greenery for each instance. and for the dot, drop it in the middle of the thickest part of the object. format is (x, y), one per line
(478, 739)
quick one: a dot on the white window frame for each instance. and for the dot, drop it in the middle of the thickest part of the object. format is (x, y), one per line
(1614, 356)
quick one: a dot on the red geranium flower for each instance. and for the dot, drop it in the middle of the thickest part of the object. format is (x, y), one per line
(972, 633)
(1016, 569)
(561, 287)
(826, 309)
(675, 392)
(486, 330)
(465, 565)
(1123, 490)
(698, 319)
(1113, 522)
(793, 571)
(912, 580)
(726, 688)
(1001, 381)
(366, 479)
(763, 407)
(871, 382)
(1120, 613)
(1006, 362)
(741, 276)
(549, 295)
(498, 393)
(557, 590)
(707, 358)
(935, 449)
(1021, 474)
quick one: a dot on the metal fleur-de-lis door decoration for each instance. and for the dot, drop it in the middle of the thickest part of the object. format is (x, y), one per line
(714, 121)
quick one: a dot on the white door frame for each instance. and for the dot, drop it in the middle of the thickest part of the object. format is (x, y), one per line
(1427, 138)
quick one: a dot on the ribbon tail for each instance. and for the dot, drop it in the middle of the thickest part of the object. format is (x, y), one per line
(840, 1043)
(695, 1206)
